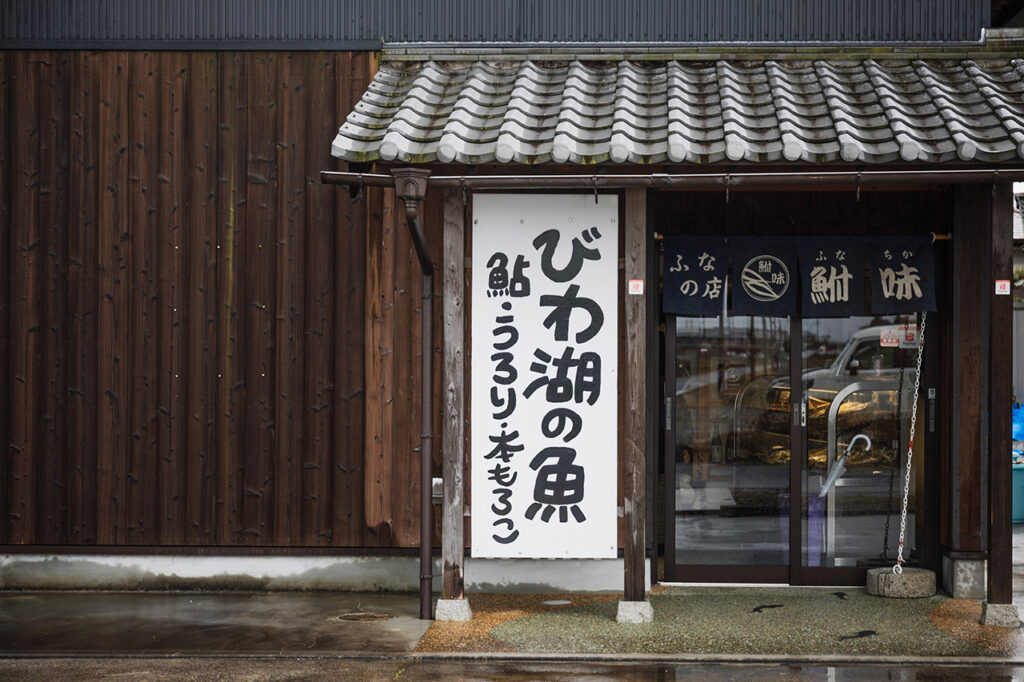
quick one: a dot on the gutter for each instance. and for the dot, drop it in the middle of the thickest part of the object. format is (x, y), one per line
(992, 43)
(411, 186)
(719, 180)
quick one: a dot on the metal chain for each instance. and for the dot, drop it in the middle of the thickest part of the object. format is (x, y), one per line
(898, 568)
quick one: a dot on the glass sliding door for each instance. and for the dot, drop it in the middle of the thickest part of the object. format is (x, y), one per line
(727, 507)
(758, 492)
(859, 382)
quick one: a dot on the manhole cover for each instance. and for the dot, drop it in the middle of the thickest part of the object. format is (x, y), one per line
(556, 602)
(363, 615)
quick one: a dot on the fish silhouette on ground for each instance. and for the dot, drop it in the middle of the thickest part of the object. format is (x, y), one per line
(762, 607)
(841, 595)
(862, 633)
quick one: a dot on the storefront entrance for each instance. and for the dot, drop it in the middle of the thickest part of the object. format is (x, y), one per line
(757, 411)
(737, 455)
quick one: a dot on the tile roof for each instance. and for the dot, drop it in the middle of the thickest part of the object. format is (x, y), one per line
(529, 112)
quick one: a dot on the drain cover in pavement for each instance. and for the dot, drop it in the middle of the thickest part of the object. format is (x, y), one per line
(363, 615)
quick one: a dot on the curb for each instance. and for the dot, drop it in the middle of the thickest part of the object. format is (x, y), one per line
(512, 657)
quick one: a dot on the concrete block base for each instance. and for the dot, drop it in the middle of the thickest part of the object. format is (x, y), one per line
(1000, 615)
(913, 583)
(547, 576)
(964, 578)
(453, 609)
(635, 612)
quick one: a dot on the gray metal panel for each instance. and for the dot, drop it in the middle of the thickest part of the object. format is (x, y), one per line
(354, 24)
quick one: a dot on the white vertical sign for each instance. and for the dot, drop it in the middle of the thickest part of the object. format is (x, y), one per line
(544, 376)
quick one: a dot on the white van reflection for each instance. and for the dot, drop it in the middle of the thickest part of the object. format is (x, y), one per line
(864, 358)
(874, 383)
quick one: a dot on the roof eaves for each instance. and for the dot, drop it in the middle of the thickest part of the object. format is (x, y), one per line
(997, 44)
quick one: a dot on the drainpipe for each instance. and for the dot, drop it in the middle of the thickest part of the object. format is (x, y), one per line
(411, 187)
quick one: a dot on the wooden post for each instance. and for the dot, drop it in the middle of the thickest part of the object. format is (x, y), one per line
(454, 381)
(635, 395)
(1000, 376)
(966, 435)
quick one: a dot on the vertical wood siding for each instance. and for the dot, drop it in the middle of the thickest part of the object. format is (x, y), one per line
(6, 453)
(183, 307)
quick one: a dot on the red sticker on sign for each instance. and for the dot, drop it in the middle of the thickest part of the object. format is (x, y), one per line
(908, 336)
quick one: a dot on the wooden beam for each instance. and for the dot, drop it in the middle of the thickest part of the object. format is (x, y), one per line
(635, 394)
(453, 380)
(1000, 372)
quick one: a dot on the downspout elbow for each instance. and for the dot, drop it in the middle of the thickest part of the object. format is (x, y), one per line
(419, 241)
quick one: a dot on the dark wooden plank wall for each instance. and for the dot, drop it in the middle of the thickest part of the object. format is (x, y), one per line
(5, 299)
(183, 307)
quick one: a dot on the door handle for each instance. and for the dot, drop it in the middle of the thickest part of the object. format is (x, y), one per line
(840, 465)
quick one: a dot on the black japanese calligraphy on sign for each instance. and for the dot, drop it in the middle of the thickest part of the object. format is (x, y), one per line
(765, 276)
(559, 486)
(503, 401)
(563, 306)
(499, 283)
(544, 345)
(585, 381)
(547, 244)
(832, 276)
(695, 272)
(902, 274)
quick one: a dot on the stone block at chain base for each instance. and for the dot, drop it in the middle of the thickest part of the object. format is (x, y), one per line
(913, 583)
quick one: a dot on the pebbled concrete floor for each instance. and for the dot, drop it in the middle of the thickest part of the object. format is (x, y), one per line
(705, 620)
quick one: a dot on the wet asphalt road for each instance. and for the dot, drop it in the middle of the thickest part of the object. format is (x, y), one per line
(207, 623)
(258, 669)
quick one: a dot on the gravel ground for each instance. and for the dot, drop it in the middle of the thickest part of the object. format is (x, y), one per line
(491, 610)
(790, 621)
(959, 617)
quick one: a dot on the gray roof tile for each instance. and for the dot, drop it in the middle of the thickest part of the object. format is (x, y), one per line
(584, 113)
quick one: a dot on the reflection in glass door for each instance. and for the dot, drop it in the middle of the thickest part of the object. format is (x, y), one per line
(737, 456)
(859, 381)
(729, 500)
